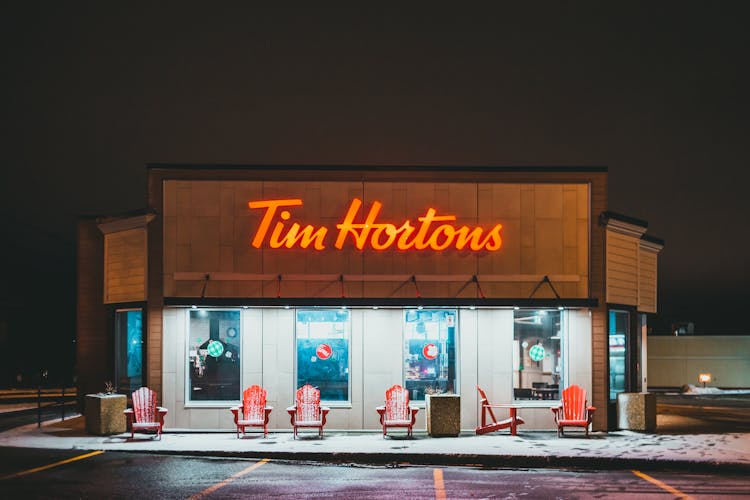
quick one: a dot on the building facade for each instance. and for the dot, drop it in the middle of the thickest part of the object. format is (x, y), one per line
(353, 279)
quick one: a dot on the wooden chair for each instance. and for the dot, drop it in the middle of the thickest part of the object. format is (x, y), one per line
(307, 411)
(574, 410)
(396, 412)
(145, 415)
(253, 411)
(487, 427)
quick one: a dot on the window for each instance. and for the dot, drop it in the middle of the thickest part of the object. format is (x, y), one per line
(537, 354)
(619, 331)
(323, 351)
(128, 350)
(429, 351)
(213, 355)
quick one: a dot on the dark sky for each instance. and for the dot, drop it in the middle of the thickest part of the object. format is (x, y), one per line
(655, 91)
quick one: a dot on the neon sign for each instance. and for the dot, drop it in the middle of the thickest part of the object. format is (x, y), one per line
(432, 231)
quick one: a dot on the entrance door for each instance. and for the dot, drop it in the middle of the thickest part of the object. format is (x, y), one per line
(623, 356)
(128, 350)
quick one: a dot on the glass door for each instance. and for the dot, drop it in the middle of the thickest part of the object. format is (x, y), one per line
(128, 350)
(619, 333)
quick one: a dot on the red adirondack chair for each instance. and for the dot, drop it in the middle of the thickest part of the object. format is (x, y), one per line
(487, 427)
(574, 410)
(396, 412)
(307, 412)
(145, 415)
(253, 411)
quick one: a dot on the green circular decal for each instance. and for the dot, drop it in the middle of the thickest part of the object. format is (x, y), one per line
(536, 353)
(215, 348)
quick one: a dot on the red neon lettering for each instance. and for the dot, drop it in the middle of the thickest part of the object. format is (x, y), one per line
(434, 232)
(293, 236)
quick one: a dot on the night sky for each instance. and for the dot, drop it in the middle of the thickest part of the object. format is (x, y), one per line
(655, 91)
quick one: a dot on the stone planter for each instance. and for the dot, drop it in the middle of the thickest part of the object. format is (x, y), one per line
(443, 414)
(636, 411)
(104, 413)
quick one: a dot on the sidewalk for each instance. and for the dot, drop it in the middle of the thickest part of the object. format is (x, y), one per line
(529, 449)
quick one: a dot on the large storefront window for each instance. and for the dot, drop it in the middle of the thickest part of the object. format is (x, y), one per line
(214, 355)
(128, 350)
(429, 351)
(323, 351)
(619, 330)
(537, 354)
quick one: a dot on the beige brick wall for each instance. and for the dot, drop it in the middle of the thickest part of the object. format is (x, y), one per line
(208, 228)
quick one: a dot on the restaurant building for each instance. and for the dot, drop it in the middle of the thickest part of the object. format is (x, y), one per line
(353, 279)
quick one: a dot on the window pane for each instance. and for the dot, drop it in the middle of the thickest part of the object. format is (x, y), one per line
(429, 351)
(323, 352)
(214, 355)
(618, 333)
(537, 354)
(128, 350)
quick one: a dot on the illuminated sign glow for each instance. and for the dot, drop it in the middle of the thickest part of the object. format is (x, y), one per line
(433, 231)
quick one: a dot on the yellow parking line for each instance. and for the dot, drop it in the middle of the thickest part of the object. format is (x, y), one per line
(437, 474)
(45, 467)
(662, 485)
(228, 480)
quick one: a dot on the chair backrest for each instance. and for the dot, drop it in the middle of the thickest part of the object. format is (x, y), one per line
(308, 404)
(144, 405)
(482, 396)
(484, 401)
(396, 403)
(574, 403)
(254, 403)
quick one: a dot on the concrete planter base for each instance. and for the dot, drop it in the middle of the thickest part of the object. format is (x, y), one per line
(104, 413)
(636, 411)
(443, 415)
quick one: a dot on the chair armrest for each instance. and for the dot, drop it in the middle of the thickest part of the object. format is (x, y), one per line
(323, 413)
(292, 411)
(556, 410)
(236, 412)
(413, 410)
(162, 412)
(381, 413)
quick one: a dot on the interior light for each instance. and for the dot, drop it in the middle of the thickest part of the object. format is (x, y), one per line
(516, 308)
(560, 308)
(375, 308)
(471, 308)
(193, 307)
(286, 307)
(420, 307)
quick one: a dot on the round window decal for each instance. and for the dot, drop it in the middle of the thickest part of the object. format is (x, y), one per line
(323, 351)
(430, 351)
(536, 353)
(215, 348)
